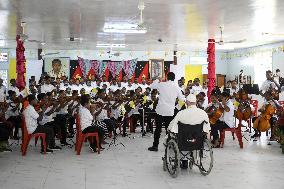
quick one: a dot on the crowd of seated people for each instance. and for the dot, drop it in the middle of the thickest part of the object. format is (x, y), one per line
(51, 105)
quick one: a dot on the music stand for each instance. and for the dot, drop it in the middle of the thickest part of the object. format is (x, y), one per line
(251, 89)
(113, 141)
(228, 90)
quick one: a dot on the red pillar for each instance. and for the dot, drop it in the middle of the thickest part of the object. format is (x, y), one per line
(211, 66)
(21, 64)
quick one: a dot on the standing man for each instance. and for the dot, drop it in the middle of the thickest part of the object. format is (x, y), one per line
(168, 92)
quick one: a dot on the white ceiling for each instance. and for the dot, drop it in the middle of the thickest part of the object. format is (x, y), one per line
(187, 23)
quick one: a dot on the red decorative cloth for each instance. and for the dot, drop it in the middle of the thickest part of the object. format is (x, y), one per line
(211, 66)
(21, 64)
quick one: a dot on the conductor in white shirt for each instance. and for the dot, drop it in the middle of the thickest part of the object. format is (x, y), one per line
(168, 92)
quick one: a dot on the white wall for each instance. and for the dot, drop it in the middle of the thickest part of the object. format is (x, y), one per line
(252, 56)
(278, 61)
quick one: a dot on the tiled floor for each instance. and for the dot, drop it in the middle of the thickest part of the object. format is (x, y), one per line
(256, 166)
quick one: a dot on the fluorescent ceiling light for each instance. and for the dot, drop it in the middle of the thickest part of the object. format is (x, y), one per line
(122, 27)
(111, 45)
(224, 47)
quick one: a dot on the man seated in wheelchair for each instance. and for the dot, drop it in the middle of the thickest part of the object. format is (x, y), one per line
(189, 128)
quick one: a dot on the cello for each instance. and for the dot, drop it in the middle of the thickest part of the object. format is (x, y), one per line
(244, 110)
(262, 123)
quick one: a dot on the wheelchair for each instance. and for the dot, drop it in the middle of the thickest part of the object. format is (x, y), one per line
(189, 144)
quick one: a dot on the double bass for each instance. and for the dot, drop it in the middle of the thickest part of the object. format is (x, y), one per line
(244, 110)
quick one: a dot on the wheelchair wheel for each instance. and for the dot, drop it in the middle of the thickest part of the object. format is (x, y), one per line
(172, 158)
(164, 163)
(205, 158)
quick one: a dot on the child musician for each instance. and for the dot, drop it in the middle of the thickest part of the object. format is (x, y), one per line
(87, 121)
(13, 112)
(227, 118)
(151, 111)
(31, 119)
(266, 120)
(6, 128)
(62, 116)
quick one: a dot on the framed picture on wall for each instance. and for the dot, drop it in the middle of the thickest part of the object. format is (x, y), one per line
(156, 68)
(57, 67)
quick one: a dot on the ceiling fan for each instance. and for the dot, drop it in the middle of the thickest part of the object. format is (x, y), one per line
(113, 54)
(47, 54)
(140, 24)
(25, 37)
(272, 34)
(222, 42)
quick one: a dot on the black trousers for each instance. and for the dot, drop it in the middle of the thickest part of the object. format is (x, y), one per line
(135, 118)
(60, 122)
(124, 122)
(160, 120)
(71, 121)
(17, 121)
(57, 130)
(150, 116)
(49, 135)
(218, 127)
(110, 124)
(5, 132)
(93, 129)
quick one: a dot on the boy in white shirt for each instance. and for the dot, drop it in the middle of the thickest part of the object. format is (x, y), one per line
(13, 87)
(47, 86)
(31, 118)
(227, 118)
(13, 113)
(87, 121)
(196, 88)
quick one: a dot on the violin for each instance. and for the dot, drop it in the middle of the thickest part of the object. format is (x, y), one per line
(214, 113)
(262, 123)
(244, 111)
(4, 106)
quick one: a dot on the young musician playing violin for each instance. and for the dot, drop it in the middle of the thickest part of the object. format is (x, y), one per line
(87, 121)
(72, 111)
(62, 116)
(269, 83)
(13, 112)
(227, 118)
(151, 110)
(6, 128)
(202, 100)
